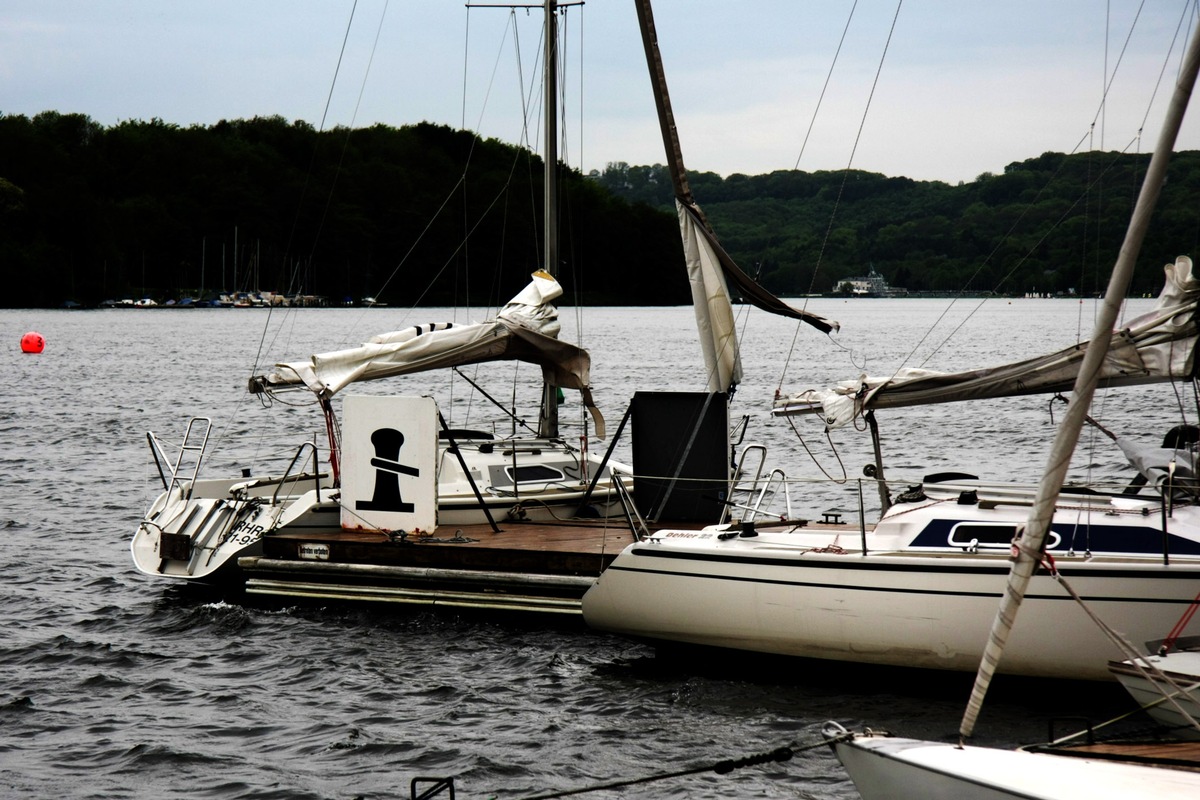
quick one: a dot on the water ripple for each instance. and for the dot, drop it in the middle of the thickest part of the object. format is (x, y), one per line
(120, 686)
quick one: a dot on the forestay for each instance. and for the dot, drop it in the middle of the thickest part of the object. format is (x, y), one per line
(524, 330)
(1157, 346)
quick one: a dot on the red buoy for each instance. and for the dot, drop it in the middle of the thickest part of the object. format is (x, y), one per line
(33, 342)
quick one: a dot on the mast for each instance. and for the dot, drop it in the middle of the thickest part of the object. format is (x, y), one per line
(711, 270)
(548, 417)
(1029, 545)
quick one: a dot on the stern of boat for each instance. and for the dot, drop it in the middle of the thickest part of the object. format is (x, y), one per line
(201, 538)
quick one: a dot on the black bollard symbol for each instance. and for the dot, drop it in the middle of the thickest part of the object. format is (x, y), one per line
(388, 470)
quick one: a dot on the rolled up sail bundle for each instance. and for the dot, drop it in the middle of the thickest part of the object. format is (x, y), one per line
(524, 330)
(1155, 347)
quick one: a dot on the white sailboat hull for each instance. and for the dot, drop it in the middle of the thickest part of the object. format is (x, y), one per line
(906, 602)
(1183, 667)
(884, 768)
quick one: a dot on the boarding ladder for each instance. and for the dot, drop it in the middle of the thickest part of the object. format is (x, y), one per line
(760, 491)
(195, 441)
(301, 476)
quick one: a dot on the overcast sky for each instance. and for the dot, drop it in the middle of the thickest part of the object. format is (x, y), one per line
(965, 87)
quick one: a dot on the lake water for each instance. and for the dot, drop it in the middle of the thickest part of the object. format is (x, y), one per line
(113, 685)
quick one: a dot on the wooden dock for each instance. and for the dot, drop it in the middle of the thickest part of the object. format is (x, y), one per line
(1166, 753)
(527, 567)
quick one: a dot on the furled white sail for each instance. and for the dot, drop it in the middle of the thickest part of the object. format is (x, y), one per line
(524, 330)
(1157, 346)
(714, 311)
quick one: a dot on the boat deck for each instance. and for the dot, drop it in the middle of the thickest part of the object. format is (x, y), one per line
(1173, 754)
(525, 567)
(571, 547)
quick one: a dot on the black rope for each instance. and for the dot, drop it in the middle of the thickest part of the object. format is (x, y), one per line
(723, 767)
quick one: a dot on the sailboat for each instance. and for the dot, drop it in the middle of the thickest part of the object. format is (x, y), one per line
(395, 469)
(919, 587)
(1166, 684)
(1165, 679)
(882, 767)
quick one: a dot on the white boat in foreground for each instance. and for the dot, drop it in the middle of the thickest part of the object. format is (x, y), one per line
(919, 590)
(886, 768)
(898, 769)
(920, 587)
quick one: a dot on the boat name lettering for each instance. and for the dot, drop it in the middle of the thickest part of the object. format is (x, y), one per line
(247, 532)
(685, 535)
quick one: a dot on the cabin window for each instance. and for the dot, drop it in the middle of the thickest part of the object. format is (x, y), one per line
(975, 535)
(535, 473)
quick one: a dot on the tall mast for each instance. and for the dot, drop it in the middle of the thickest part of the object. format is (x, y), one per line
(1029, 547)
(750, 290)
(548, 419)
(550, 148)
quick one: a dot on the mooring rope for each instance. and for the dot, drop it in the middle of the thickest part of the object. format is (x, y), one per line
(723, 767)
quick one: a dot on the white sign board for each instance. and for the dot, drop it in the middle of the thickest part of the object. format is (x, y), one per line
(389, 463)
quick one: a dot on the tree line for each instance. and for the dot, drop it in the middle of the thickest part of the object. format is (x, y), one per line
(418, 215)
(428, 215)
(1048, 225)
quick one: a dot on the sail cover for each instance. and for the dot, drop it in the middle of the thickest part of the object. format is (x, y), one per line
(524, 330)
(1161, 466)
(1157, 346)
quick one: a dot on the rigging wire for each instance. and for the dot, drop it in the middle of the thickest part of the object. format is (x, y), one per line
(1092, 182)
(832, 447)
(349, 130)
(1098, 117)
(510, 25)
(262, 345)
(1109, 80)
(1106, 83)
(577, 270)
(846, 171)
(1102, 109)
(472, 227)
(497, 273)
(293, 282)
(829, 75)
(577, 262)
(812, 280)
(309, 173)
(535, 145)
(1019, 262)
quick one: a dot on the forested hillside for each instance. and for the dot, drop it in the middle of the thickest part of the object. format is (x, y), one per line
(418, 215)
(429, 215)
(1051, 224)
